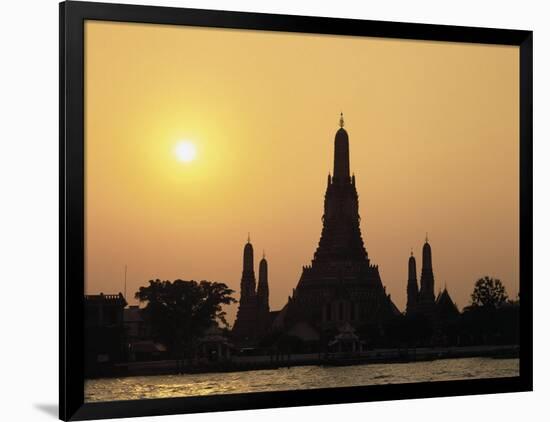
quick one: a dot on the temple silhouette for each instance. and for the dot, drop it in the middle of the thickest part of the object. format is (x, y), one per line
(253, 314)
(339, 305)
(423, 301)
(341, 287)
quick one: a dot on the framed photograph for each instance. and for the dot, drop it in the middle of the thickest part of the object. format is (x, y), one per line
(267, 211)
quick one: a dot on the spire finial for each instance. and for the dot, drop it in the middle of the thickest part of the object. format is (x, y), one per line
(263, 254)
(342, 120)
(248, 238)
(426, 237)
(412, 252)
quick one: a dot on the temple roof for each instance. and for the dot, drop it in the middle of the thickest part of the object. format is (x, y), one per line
(445, 304)
(279, 320)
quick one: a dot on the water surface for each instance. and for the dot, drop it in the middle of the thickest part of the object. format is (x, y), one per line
(296, 378)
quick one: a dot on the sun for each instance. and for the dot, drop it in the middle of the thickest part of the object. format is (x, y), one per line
(186, 151)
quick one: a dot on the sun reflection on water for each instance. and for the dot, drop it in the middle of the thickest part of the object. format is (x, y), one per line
(295, 378)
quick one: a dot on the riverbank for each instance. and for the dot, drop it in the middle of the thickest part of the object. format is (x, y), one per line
(250, 363)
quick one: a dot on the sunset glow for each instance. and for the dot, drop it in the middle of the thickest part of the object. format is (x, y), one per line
(196, 136)
(186, 151)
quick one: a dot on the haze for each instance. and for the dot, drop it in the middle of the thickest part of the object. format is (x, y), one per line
(434, 145)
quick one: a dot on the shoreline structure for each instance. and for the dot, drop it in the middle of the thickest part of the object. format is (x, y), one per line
(274, 361)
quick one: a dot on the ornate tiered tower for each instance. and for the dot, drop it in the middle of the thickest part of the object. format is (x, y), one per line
(263, 297)
(341, 236)
(245, 324)
(423, 302)
(427, 296)
(412, 286)
(263, 286)
(253, 315)
(341, 285)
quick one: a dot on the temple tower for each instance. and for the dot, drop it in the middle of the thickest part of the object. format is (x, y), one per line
(341, 235)
(245, 327)
(412, 286)
(340, 286)
(263, 299)
(427, 282)
(341, 154)
(263, 286)
(248, 280)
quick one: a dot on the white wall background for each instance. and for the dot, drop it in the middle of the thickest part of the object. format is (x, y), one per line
(29, 210)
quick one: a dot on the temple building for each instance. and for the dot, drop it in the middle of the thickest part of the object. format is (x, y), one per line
(426, 296)
(264, 320)
(253, 314)
(341, 286)
(412, 286)
(423, 301)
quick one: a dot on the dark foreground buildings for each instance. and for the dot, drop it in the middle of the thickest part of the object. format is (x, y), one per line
(339, 303)
(104, 332)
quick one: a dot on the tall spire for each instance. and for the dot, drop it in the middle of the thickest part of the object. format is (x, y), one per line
(341, 235)
(341, 154)
(245, 323)
(263, 287)
(427, 255)
(412, 268)
(412, 286)
(427, 277)
(248, 280)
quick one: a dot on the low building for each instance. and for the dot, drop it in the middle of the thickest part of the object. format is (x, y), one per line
(137, 328)
(146, 350)
(346, 341)
(214, 346)
(141, 346)
(104, 332)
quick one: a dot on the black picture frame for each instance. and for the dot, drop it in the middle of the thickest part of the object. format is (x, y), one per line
(72, 16)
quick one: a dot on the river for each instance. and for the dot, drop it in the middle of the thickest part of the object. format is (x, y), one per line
(295, 378)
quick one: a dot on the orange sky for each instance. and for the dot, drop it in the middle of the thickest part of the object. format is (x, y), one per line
(434, 143)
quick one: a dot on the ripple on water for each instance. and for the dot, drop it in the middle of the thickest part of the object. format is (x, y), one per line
(299, 377)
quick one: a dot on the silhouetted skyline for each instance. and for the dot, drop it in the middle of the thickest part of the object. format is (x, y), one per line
(435, 148)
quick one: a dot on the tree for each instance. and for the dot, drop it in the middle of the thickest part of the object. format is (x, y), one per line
(489, 293)
(180, 311)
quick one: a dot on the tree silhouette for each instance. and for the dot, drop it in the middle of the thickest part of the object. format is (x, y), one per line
(180, 311)
(489, 292)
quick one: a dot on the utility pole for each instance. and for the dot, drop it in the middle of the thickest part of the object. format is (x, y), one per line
(125, 273)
